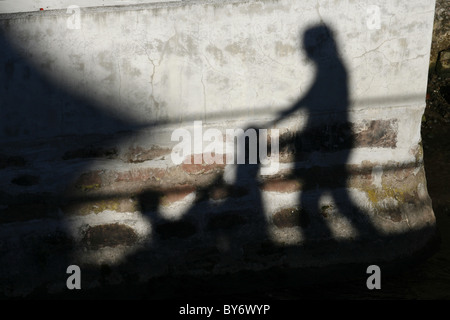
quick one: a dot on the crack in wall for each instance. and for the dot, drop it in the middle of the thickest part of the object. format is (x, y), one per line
(317, 7)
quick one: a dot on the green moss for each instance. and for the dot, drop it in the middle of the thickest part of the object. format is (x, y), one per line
(402, 194)
(101, 206)
(90, 187)
(85, 208)
(377, 195)
(373, 196)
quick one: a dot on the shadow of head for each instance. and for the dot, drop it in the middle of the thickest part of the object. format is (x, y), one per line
(318, 43)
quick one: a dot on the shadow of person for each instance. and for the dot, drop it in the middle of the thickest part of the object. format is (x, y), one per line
(325, 144)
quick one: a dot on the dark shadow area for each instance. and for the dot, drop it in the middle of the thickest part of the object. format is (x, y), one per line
(44, 151)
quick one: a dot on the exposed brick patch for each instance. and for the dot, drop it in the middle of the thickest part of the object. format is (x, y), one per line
(287, 147)
(139, 154)
(91, 152)
(225, 191)
(89, 181)
(176, 194)
(227, 220)
(136, 181)
(331, 137)
(291, 217)
(25, 180)
(176, 229)
(151, 199)
(109, 235)
(376, 133)
(297, 146)
(11, 161)
(281, 185)
(193, 168)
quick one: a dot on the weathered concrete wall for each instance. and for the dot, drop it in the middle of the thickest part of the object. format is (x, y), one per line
(11, 6)
(87, 111)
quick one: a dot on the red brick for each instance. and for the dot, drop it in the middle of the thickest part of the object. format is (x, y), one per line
(193, 168)
(176, 194)
(109, 235)
(89, 181)
(284, 186)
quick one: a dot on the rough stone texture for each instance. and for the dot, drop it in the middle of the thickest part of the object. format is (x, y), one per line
(139, 154)
(89, 181)
(87, 156)
(281, 185)
(108, 236)
(176, 194)
(143, 174)
(441, 30)
(295, 146)
(96, 206)
(196, 164)
(291, 217)
(376, 134)
(443, 63)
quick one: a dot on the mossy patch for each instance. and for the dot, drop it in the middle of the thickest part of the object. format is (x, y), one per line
(388, 200)
(118, 205)
(89, 187)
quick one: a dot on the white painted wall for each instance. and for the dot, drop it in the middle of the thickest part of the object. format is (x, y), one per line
(202, 60)
(10, 6)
